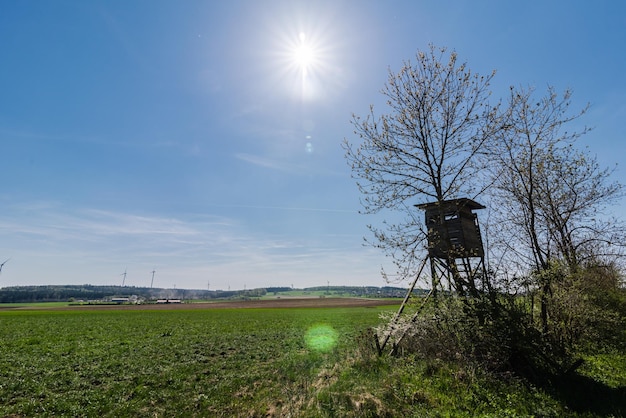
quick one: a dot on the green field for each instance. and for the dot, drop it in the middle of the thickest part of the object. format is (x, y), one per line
(189, 363)
(247, 362)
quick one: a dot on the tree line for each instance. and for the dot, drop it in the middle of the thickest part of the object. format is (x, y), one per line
(64, 293)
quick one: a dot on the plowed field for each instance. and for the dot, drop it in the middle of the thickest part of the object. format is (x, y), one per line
(263, 303)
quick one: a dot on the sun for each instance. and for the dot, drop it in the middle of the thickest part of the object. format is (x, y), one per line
(306, 59)
(304, 55)
(303, 62)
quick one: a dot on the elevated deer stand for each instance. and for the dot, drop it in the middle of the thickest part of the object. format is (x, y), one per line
(455, 251)
(455, 246)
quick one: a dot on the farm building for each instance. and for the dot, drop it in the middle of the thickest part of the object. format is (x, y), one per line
(169, 301)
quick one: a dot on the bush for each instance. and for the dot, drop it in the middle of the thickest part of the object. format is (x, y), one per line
(585, 312)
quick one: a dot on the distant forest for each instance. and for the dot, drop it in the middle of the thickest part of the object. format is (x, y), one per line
(71, 293)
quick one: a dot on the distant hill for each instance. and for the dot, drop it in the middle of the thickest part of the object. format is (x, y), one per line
(67, 293)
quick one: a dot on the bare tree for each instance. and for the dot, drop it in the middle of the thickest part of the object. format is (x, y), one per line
(424, 149)
(551, 195)
(575, 191)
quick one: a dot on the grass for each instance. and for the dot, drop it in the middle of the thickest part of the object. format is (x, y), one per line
(305, 293)
(139, 363)
(256, 362)
(34, 305)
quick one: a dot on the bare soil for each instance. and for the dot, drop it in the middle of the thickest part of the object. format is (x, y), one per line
(247, 304)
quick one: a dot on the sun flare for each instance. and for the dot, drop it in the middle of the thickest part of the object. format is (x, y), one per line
(303, 54)
(305, 62)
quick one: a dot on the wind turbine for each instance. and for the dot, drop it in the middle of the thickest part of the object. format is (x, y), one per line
(124, 279)
(152, 281)
(2, 265)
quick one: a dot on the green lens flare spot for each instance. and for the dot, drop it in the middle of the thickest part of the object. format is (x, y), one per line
(321, 337)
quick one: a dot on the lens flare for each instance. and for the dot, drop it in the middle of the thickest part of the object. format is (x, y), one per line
(321, 337)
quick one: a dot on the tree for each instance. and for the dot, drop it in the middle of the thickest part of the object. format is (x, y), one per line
(424, 149)
(442, 140)
(551, 195)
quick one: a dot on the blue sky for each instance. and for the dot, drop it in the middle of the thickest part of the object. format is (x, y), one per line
(183, 136)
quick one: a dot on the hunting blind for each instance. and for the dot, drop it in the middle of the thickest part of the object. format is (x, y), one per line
(456, 254)
(455, 246)
(453, 228)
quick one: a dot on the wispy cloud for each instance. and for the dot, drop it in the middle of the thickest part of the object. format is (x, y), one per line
(52, 244)
(302, 167)
(10, 134)
(289, 208)
(266, 162)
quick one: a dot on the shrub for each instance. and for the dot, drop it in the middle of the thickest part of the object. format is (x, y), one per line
(585, 311)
